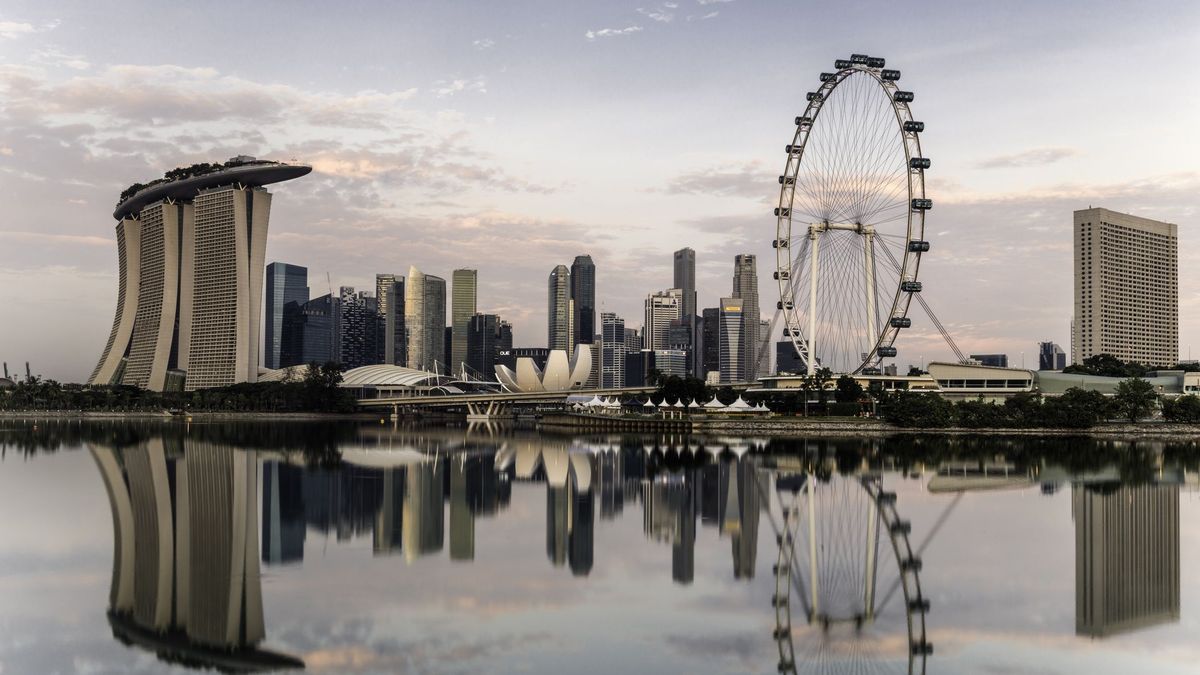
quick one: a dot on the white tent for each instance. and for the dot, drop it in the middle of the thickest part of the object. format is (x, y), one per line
(594, 402)
(694, 404)
(739, 405)
(612, 403)
(714, 404)
(678, 404)
(664, 404)
(648, 404)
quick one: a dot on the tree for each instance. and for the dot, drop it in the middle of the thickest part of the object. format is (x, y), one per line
(848, 390)
(921, 410)
(1135, 398)
(1184, 409)
(1107, 365)
(1075, 409)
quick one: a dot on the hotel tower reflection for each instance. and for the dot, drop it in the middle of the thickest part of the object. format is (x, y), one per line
(185, 580)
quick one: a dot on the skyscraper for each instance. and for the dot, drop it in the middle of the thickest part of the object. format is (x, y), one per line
(1126, 288)
(1051, 356)
(487, 337)
(661, 309)
(191, 253)
(745, 286)
(358, 329)
(389, 299)
(285, 283)
(731, 339)
(558, 297)
(583, 295)
(612, 350)
(685, 279)
(711, 328)
(462, 308)
(425, 320)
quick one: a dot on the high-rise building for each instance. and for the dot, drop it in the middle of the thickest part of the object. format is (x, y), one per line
(1126, 557)
(731, 340)
(745, 286)
(787, 361)
(711, 331)
(359, 329)
(559, 310)
(1126, 288)
(633, 340)
(487, 338)
(425, 320)
(389, 299)
(319, 327)
(1051, 356)
(671, 362)
(685, 279)
(995, 360)
(661, 309)
(612, 350)
(191, 253)
(462, 308)
(286, 283)
(583, 298)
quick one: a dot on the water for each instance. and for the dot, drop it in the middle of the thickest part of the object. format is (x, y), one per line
(368, 548)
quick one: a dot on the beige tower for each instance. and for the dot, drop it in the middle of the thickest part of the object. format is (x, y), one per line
(192, 252)
(1126, 288)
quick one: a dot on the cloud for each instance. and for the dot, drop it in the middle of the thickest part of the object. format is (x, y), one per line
(444, 88)
(746, 179)
(13, 29)
(611, 32)
(659, 14)
(712, 2)
(1034, 157)
(485, 43)
(710, 15)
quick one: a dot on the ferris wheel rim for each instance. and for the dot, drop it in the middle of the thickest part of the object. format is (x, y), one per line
(915, 605)
(882, 337)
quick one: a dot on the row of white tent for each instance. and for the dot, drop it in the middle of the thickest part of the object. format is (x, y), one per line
(740, 405)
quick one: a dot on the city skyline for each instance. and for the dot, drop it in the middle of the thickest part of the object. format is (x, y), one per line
(398, 167)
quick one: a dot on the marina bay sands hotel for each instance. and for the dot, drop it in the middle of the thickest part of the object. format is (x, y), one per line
(191, 249)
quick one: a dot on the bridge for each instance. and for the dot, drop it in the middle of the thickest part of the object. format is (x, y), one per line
(491, 404)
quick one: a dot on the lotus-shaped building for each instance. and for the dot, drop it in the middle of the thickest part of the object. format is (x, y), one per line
(561, 374)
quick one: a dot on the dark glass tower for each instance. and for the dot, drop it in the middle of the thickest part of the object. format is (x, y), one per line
(583, 292)
(286, 283)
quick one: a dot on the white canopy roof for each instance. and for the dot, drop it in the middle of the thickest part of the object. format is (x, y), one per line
(714, 404)
(740, 404)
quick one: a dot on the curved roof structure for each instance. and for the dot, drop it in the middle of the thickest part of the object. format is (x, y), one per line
(255, 173)
(561, 373)
(386, 375)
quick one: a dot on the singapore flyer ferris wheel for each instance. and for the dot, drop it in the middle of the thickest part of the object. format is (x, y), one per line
(850, 223)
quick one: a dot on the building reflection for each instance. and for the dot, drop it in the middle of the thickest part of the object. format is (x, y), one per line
(185, 581)
(1126, 557)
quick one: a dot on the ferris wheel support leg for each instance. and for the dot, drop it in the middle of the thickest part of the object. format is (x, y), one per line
(812, 551)
(869, 570)
(811, 351)
(869, 269)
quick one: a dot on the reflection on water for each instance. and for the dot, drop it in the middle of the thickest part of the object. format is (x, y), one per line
(816, 531)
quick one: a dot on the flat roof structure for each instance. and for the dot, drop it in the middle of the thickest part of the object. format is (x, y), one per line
(254, 173)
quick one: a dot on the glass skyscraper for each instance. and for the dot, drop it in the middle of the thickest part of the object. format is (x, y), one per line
(745, 286)
(462, 308)
(559, 314)
(732, 339)
(285, 284)
(583, 296)
(612, 350)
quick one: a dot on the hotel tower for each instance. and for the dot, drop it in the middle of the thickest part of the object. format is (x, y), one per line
(191, 250)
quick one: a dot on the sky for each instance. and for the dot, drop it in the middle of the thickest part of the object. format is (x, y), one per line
(511, 139)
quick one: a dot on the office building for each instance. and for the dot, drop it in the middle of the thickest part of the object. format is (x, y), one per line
(710, 330)
(462, 308)
(787, 360)
(661, 309)
(745, 287)
(191, 252)
(633, 340)
(389, 300)
(994, 360)
(559, 310)
(583, 299)
(488, 338)
(425, 320)
(1126, 288)
(359, 329)
(685, 279)
(730, 339)
(286, 284)
(612, 350)
(1051, 356)
(313, 335)
(671, 362)
(1126, 557)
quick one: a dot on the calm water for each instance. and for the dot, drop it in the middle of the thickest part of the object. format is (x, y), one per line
(137, 547)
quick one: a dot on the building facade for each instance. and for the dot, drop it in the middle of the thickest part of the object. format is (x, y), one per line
(745, 287)
(1126, 288)
(465, 283)
(731, 339)
(710, 329)
(559, 309)
(190, 300)
(993, 360)
(286, 284)
(661, 309)
(488, 337)
(425, 320)
(1051, 356)
(389, 300)
(583, 299)
(612, 350)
